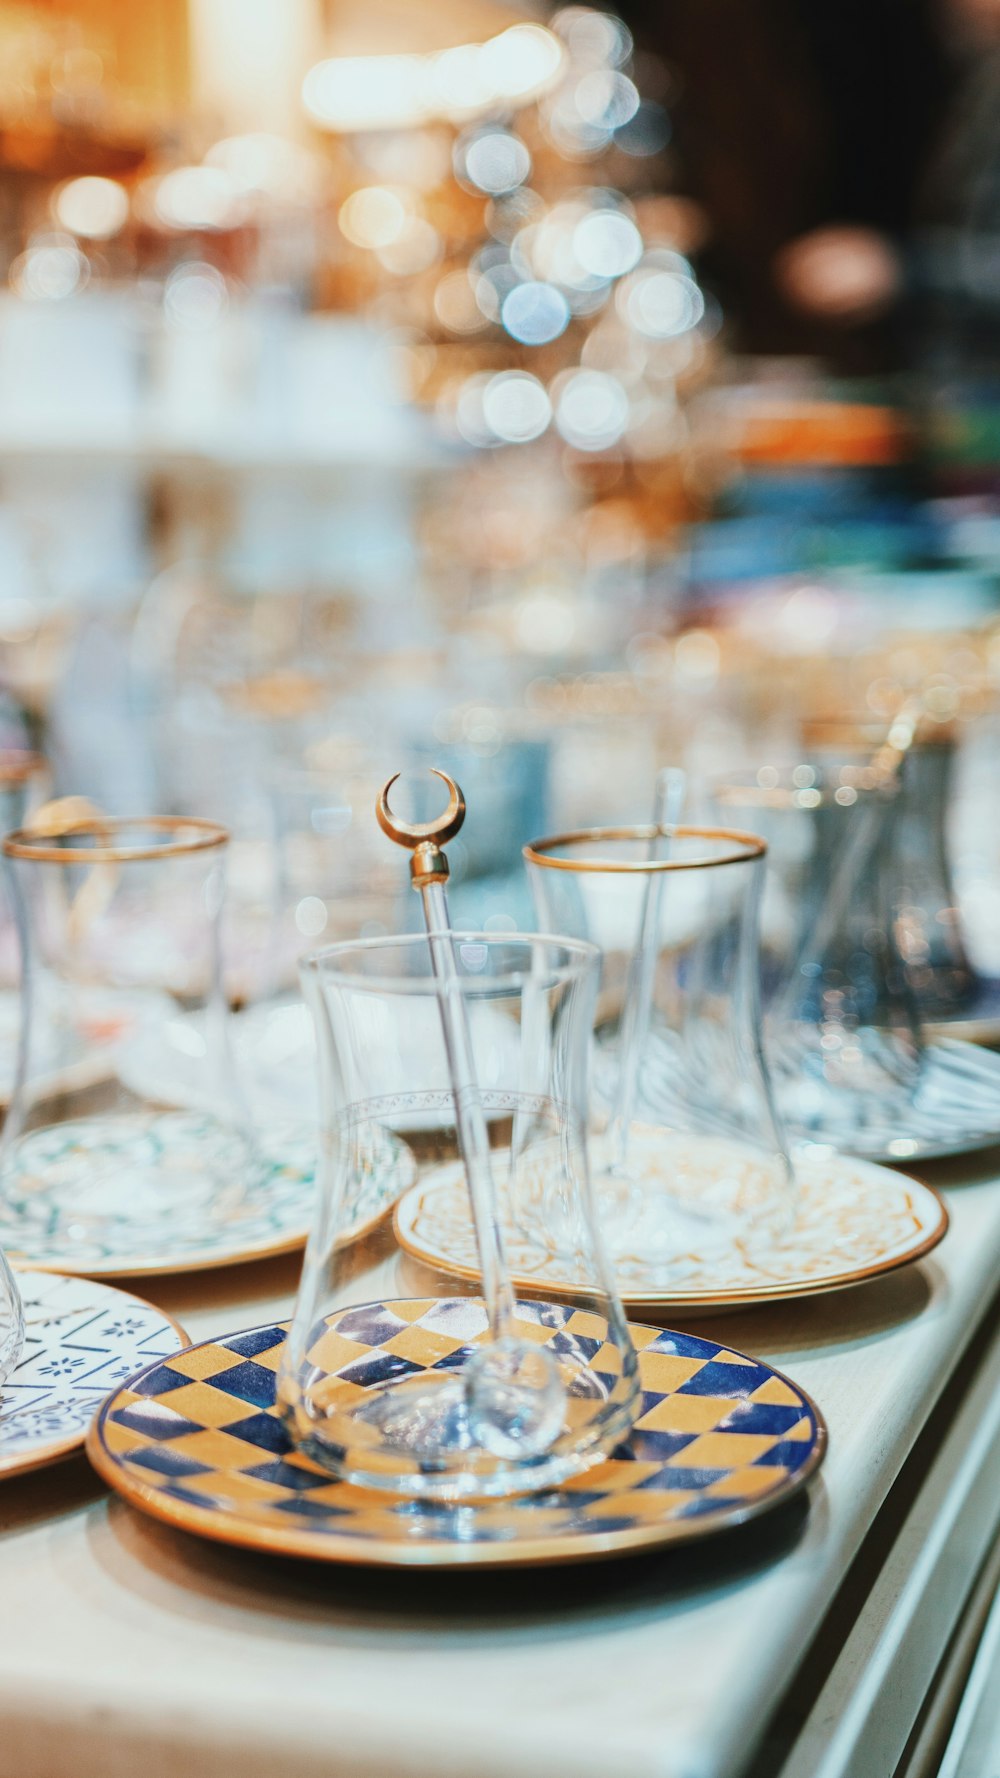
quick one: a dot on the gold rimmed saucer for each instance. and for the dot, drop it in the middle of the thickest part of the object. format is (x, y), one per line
(855, 1220)
(272, 1217)
(197, 1442)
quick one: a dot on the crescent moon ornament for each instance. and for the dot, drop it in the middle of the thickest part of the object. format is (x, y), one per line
(418, 833)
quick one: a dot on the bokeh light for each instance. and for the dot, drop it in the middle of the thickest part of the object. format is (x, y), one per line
(416, 249)
(368, 92)
(535, 313)
(458, 82)
(592, 409)
(607, 243)
(202, 198)
(455, 304)
(470, 420)
(646, 132)
(493, 277)
(50, 269)
(93, 207)
(399, 91)
(662, 300)
(548, 249)
(263, 164)
(494, 161)
(606, 99)
(195, 297)
(373, 217)
(520, 61)
(516, 406)
(507, 215)
(593, 37)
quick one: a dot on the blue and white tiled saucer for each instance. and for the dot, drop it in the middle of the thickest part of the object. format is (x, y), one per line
(82, 1340)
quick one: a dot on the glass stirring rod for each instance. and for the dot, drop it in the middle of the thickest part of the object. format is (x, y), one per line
(514, 1393)
(671, 788)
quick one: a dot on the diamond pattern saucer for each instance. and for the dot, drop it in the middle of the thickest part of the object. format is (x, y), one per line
(196, 1441)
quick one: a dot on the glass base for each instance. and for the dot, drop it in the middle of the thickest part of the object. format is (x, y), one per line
(480, 1420)
(417, 1438)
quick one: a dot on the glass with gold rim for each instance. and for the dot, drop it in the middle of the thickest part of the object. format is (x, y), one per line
(689, 1152)
(126, 1118)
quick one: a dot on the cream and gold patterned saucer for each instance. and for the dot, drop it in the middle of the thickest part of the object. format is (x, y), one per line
(854, 1221)
(196, 1441)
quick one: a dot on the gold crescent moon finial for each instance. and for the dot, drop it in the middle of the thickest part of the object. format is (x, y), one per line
(419, 833)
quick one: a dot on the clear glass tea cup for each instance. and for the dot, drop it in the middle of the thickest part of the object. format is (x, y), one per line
(389, 1394)
(126, 1116)
(689, 1151)
(843, 1032)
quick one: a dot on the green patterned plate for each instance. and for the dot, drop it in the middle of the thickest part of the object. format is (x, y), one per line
(196, 1441)
(133, 1196)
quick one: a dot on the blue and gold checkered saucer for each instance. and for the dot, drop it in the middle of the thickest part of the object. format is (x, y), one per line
(196, 1441)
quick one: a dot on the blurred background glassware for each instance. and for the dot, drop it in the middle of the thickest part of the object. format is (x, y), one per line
(315, 874)
(126, 1118)
(844, 1036)
(843, 1027)
(925, 910)
(403, 1418)
(22, 775)
(11, 1322)
(704, 1163)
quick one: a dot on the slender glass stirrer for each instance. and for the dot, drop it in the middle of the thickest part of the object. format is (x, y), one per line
(514, 1393)
(671, 787)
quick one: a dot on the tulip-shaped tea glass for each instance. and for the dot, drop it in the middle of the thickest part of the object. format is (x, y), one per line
(689, 1155)
(11, 1323)
(842, 1029)
(125, 1121)
(403, 1394)
(21, 776)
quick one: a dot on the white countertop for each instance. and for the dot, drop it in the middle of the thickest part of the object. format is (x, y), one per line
(127, 1648)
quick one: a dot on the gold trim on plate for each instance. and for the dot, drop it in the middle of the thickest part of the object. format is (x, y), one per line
(326, 1546)
(678, 1302)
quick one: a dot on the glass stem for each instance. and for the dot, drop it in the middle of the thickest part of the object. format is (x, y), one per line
(671, 787)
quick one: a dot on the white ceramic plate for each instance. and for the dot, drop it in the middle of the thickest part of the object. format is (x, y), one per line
(82, 1340)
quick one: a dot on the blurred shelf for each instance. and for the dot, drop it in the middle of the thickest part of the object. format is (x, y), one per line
(150, 456)
(54, 152)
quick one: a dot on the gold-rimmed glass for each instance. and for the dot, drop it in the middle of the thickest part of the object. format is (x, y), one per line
(22, 775)
(11, 1322)
(126, 1120)
(689, 1153)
